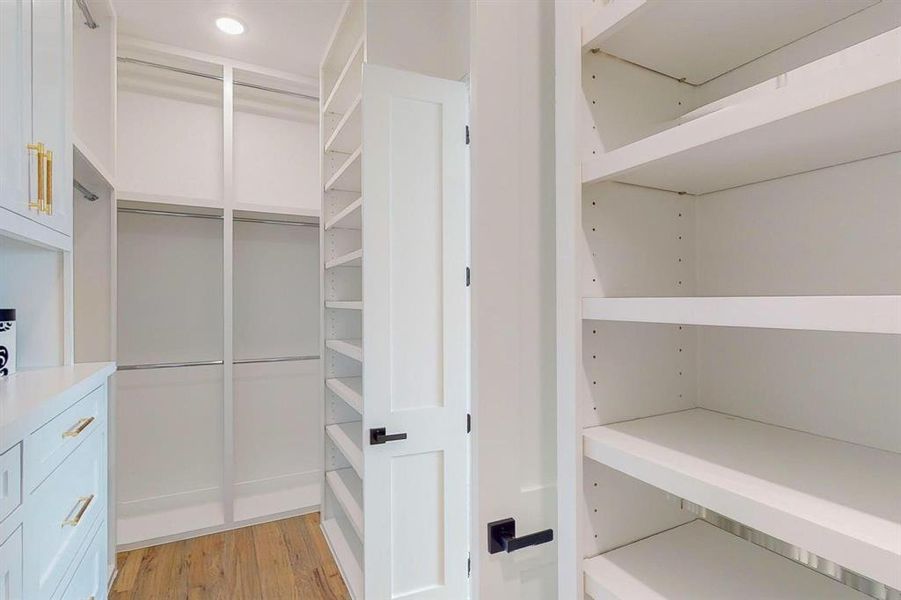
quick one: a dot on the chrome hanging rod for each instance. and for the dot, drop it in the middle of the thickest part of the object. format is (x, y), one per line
(275, 222)
(174, 365)
(265, 88)
(174, 213)
(86, 11)
(88, 194)
(253, 361)
(166, 213)
(208, 363)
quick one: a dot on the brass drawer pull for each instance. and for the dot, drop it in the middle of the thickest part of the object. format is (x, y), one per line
(41, 155)
(85, 502)
(78, 427)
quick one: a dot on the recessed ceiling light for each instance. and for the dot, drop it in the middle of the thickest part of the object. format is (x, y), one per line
(230, 26)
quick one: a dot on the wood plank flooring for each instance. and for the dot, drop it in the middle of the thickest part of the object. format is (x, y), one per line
(282, 560)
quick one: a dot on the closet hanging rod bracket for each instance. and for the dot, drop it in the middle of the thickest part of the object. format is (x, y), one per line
(86, 11)
(88, 194)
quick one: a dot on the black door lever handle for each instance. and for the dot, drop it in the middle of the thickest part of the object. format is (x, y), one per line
(502, 537)
(379, 436)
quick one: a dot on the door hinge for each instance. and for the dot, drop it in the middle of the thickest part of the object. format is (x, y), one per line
(467, 135)
(469, 565)
(468, 277)
(468, 422)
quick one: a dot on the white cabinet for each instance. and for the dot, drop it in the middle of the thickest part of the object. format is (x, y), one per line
(36, 168)
(11, 567)
(53, 461)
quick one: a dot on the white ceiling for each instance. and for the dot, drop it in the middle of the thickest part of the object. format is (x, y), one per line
(289, 35)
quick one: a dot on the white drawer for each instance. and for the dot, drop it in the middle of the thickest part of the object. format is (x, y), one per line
(89, 581)
(62, 511)
(52, 442)
(10, 480)
(11, 567)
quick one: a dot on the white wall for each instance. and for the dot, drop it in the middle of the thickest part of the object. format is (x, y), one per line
(31, 281)
(169, 146)
(512, 52)
(276, 161)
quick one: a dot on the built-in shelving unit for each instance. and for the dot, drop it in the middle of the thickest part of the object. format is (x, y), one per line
(341, 143)
(729, 318)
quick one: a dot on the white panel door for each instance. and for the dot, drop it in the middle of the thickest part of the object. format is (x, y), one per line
(416, 332)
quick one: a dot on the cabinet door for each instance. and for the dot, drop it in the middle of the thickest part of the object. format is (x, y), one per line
(51, 56)
(15, 104)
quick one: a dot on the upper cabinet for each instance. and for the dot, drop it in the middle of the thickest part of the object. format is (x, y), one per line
(35, 119)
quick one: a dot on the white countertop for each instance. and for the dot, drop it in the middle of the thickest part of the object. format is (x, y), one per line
(30, 398)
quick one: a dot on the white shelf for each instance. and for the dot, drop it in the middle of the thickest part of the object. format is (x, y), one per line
(348, 134)
(348, 177)
(847, 114)
(835, 499)
(348, 490)
(864, 314)
(348, 438)
(351, 217)
(345, 304)
(311, 214)
(698, 560)
(351, 259)
(348, 84)
(350, 348)
(349, 389)
(677, 38)
(344, 556)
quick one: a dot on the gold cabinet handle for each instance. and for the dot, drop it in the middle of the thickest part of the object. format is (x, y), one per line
(78, 427)
(48, 174)
(81, 507)
(38, 204)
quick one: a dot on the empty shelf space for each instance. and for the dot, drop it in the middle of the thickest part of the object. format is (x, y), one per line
(348, 85)
(676, 38)
(351, 259)
(347, 136)
(348, 176)
(348, 438)
(344, 556)
(698, 560)
(864, 314)
(847, 114)
(348, 491)
(349, 389)
(350, 217)
(350, 348)
(835, 499)
(344, 304)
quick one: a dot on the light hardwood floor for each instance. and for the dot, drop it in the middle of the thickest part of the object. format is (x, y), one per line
(286, 559)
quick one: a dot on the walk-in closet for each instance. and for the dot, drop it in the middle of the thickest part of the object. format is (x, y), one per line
(729, 314)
